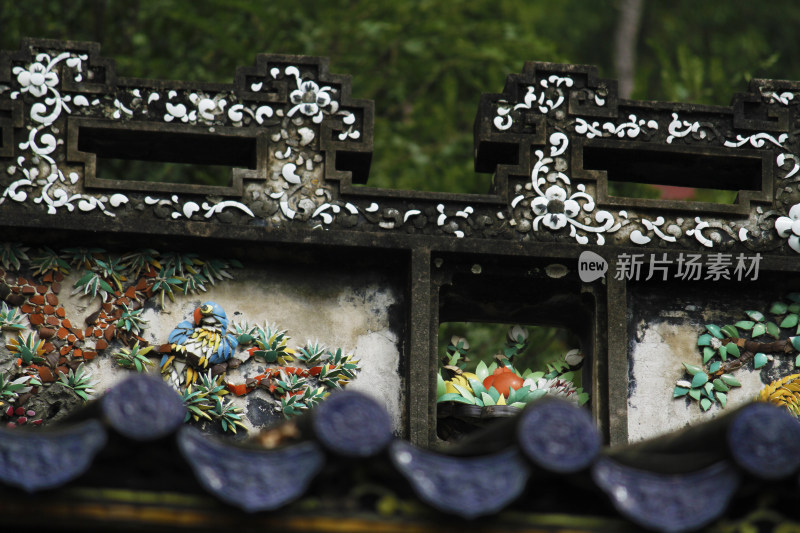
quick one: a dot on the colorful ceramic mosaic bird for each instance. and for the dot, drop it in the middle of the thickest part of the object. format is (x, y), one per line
(199, 342)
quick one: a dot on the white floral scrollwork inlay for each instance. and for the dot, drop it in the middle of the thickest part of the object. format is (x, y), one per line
(757, 140)
(549, 98)
(554, 205)
(630, 129)
(700, 131)
(41, 173)
(774, 97)
(42, 176)
(637, 237)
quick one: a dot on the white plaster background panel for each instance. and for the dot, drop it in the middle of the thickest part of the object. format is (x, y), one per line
(338, 309)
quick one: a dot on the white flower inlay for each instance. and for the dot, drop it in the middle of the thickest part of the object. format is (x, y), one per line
(554, 208)
(309, 99)
(36, 79)
(789, 227)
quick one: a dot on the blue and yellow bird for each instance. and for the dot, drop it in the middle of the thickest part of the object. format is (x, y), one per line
(200, 342)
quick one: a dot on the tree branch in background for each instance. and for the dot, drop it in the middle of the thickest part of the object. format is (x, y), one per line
(630, 17)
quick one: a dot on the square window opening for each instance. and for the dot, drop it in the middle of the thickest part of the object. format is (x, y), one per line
(492, 370)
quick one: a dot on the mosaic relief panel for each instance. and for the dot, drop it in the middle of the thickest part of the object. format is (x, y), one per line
(75, 321)
(699, 351)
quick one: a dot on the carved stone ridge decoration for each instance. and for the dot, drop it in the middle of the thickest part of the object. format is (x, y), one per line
(558, 135)
(296, 142)
(287, 128)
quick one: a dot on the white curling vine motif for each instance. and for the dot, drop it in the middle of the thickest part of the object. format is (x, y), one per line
(549, 98)
(631, 129)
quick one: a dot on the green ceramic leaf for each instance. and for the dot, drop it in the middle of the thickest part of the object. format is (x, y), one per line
(730, 380)
(794, 296)
(518, 405)
(518, 395)
(493, 393)
(86, 277)
(795, 342)
(514, 396)
(759, 360)
(704, 340)
(708, 390)
(714, 330)
(797, 362)
(692, 369)
(476, 386)
(536, 376)
(535, 395)
(773, 330)
(699, 379)
(722, 398)
(492, 368)
(723, 352)
(730, 331)
(720, 386)
(758, 316)
(695, 393)
(759, 329)
(745, 324)
(583, 398)
(482, 371)
(487, 400)
(463, 391)
(789, 322)
(441, 388)
(679, 391)
(453, 397)
(714, 366)
(705, 404)
(778, 308)
(733, 350)
(708, 353)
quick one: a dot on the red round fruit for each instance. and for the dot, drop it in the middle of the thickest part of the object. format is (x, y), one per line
(502, 379)
(505, 381)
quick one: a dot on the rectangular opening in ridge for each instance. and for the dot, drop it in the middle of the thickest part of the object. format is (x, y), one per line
(656, 174)
(166, 157)
(527, 357)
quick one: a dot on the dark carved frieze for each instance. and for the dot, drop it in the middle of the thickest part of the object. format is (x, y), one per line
(295, 142)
